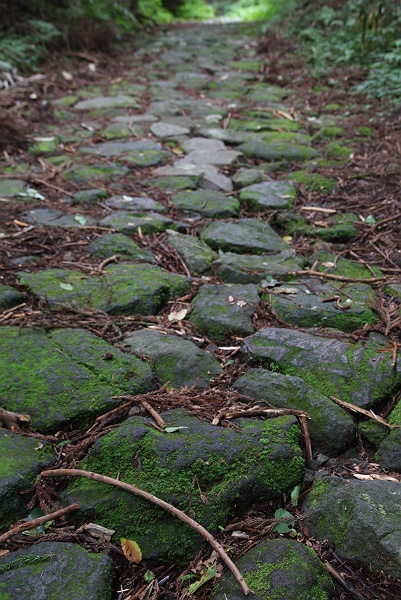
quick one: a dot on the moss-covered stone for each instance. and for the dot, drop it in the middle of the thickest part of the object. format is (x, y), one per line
(358, 373)
(276, 151)
(340, 508)
(249, 268)
(89, 173)
(373, 432)
(197, 255)
(44, 145)
(330, 263)
(229, 468)
(120, 244)
(22, 459)
(127, 222)
(336, 150)
(62, 377)
(313, 182)
(278, 570)
(141, 153)
(67, 571)
(269, 194)
(12, 187)
(211, 204)
(174, 183)
(120, 289)
(244, 236)
(332, 228)
(9, 296)
(107, 102)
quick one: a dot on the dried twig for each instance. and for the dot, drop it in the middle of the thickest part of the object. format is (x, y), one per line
(367, 413)
(313, 273)
(162, 504)
(154, 414)
(340, 579)
(36, 522)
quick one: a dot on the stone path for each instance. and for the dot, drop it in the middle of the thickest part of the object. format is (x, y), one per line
(188, 156)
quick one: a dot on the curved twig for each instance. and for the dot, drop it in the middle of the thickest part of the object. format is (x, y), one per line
(36, 522)
(165, 505)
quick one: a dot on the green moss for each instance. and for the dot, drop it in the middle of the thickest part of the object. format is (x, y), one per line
(331, 107)
(178, 476)
(365, 131)
(329, 133)
(313, 182)
(395, 415)
(336, 150)
(373, 432)
(66, 101)
(343, 267)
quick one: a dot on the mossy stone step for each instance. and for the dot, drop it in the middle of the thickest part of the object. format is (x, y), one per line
(120, 289)
(231, 468)
(68, 571)
(210, 204)
(176, 361)
(249, 268)
(111, 244)
(361, 373)
(244, 236)
(22, 459)
(66, 376)
(147, 222)
(197, 255)
(269, 194)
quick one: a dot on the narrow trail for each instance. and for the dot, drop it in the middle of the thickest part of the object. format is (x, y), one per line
(181, 232)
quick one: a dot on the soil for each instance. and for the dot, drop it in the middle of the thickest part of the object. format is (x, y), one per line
(368, 184)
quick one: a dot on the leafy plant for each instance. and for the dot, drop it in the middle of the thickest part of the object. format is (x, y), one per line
(285, 523)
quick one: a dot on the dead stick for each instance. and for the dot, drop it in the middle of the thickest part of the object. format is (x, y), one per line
(36, 522)
(303, 423)
(338, 577)
(338, 277)
(168, 507)
(107, 261)
(54, 187)
(154, 414)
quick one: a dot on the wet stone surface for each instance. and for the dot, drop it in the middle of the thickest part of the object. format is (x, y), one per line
(179, 240)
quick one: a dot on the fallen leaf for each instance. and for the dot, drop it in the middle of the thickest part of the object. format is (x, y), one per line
(178, 315)
(4, 552)
(132, 551)
(80, 219)
(287, 238)
(231, 299)
(67, 76)
(241, 303)
(285, 290)
(66, 286)
(329, 265)
(173, 429)
(206, 576)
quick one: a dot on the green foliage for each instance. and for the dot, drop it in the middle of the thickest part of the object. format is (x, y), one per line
(258, 10)
(24, 50)
(285, 520)
(27, 559)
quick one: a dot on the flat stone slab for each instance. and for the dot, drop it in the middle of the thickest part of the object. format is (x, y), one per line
(201, 144)
(210, 204)
(210, 176)
(269, 194)
(249, 268)
(142, 153)
(148, 222)
(9, 296)
(95, 173)
(123, 289)
(90, 196)
(23, 459)
(119, 244)
(247, 177)
(335, 509)
(176, 360)
(281, 569)
(51, 217)
(331, 427)
(145, 118)
(134, 203)
(104, 102)
(313, 303)
(221, 311)
(231, 468)
(210, 157)
(12, 187)
(245, 236)
(357, 373)
(197, 255)
(165, 130)
(63, 377)
(119, 131)
(67, 571)
(278, 151)
(339, 228)
(173, 183)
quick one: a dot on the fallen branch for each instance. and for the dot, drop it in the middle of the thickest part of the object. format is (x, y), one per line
(340, 579)
(9, 420)
(313, 273)
(162, 504)
(36, 522)
(154, 414)
(367, 413)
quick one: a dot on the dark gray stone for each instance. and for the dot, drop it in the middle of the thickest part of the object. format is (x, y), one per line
(331, 428)
(245, 236)
(134, 203)
(141, 153)
(106, 102)
(248, 268)
(175, 360)
(278, 151)
(197, 255)
(9, 296)
(22, 460)
(361, 519)
(127, 222)
(280, 569)
(51, 217)
(120, 244)
(357, 373)
(269, 194)
(68, 572)
(221, 311)
(211, 204)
